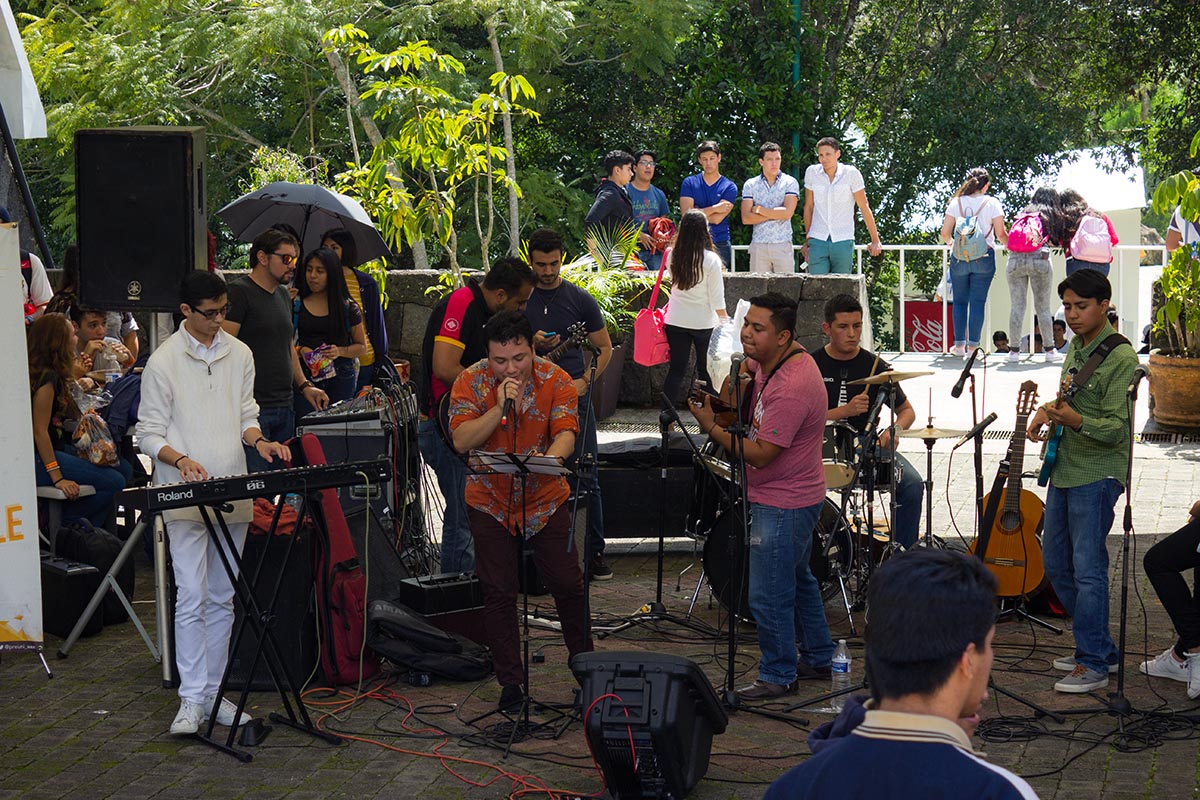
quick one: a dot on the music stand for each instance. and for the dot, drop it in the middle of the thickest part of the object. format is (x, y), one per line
(482, 462)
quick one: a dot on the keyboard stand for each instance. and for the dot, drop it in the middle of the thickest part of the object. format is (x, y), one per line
(262, 621)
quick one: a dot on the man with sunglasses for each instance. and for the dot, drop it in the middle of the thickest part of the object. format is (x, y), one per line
(197, 414)
(260, 314)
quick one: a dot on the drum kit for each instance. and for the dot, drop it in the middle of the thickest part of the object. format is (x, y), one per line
(848, 543)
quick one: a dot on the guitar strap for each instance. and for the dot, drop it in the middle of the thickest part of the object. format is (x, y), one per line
(1098, 355)
(993, 507)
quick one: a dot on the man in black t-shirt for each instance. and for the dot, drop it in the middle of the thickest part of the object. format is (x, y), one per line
(842, 361)
(260, 314)
(453, 341)
(556, 305)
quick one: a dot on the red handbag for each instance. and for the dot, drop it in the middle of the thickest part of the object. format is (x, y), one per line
(650, 328)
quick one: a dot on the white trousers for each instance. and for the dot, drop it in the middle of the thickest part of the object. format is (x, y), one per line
(204, 606)
(777, 257)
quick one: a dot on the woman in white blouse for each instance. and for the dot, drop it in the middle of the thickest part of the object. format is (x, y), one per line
(697, 300)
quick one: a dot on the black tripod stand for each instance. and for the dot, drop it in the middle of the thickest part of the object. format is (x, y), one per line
(656, 611)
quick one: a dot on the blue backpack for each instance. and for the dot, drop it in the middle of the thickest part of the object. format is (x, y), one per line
(970, 235)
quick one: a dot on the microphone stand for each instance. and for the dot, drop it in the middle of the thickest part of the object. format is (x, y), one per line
(978, 460)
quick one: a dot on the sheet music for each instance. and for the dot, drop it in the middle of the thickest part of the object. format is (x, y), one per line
(515, 463)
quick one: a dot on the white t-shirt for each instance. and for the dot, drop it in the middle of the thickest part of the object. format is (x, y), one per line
(833, 201)
(696, 308)
(1186, 230)
(986, 206)
(38, 291)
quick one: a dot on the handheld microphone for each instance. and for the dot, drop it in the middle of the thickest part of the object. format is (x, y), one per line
(958, 387)
(978, 429)
(1141, 372)
(508, 407)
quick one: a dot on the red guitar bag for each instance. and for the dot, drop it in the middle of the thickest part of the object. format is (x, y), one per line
(341, 583)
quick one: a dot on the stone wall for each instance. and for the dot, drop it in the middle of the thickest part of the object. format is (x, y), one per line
(409, 308)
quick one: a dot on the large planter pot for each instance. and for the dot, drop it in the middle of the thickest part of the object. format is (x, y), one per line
(1173, 382)
(607, 390)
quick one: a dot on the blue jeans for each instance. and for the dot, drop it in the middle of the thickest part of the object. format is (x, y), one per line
(106, 480)
(784, 596)
(971, 281)
(278, 425)
(910, 496)
(1074, 265)
(1077, 521)
(725, 251)
(586, 442)
(652, 260)
(826, 256)
(458, 548)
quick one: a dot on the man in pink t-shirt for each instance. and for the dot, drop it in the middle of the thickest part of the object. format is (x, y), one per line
(785, 485)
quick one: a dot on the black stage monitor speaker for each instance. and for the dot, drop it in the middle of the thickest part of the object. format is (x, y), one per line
(140, 212)
(652, 732)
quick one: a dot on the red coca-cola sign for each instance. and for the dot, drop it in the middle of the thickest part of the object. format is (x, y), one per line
(923, 328)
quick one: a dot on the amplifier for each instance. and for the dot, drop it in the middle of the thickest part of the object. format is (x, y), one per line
(67, 587)
(442, 593)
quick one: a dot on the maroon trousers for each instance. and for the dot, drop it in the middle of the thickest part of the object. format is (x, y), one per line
(496, 554)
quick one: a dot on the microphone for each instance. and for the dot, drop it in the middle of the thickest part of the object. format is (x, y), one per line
(1141, 372)
(735, 366)
(978, 429)
(958, 387)
(508, 407)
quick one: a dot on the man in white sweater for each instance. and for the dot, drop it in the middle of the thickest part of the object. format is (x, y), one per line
(197, 409)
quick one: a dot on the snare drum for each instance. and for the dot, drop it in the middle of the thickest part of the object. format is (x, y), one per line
(837, 455)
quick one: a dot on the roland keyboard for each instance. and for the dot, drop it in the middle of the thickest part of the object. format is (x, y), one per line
(215, 491)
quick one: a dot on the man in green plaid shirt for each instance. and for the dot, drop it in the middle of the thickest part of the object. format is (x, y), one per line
(1088, 477)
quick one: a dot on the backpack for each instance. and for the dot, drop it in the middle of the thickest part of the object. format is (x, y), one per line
(408, 639)
(1027, 235)
(970, 236)
(1091, 242)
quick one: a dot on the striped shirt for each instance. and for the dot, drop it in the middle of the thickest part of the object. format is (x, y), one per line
(899, 755)
(1100, 449)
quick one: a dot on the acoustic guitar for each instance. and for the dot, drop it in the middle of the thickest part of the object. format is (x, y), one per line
(1009, 546)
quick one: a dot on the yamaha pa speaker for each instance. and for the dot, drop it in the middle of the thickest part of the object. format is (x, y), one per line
(141, 217)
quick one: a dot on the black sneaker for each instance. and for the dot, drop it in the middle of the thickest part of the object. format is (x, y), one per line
(600, 570)
(511, 698)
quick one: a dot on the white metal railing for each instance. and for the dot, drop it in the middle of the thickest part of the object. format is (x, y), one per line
(1121, 255)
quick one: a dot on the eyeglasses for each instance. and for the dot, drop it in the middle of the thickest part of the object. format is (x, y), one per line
(212, 313)
(287, 258)
(646, 164)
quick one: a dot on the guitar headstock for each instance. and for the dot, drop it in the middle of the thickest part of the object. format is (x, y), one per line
(576, 334)
(1027, 398)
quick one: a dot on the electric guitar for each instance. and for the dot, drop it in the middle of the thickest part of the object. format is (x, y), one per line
(1050, 447)
(1009, 548)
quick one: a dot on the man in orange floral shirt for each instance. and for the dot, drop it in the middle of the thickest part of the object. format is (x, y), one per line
(543, 421)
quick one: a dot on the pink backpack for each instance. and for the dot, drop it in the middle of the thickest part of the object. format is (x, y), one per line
(1091, 242)
(1026, 235)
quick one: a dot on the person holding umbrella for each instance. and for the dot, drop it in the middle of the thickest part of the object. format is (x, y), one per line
(260, 314)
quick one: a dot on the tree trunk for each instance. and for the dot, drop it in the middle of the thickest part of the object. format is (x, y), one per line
(420, 256)
(510, 163)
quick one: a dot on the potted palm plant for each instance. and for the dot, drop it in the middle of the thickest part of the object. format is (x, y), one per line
(1175, 369)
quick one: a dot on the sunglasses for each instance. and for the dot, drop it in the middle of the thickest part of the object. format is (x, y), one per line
(287, 258)
(213, 313)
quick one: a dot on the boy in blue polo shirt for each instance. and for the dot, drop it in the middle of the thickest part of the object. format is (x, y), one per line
(929, 654)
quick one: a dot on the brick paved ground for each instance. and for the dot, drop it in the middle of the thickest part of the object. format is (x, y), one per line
(98, 729)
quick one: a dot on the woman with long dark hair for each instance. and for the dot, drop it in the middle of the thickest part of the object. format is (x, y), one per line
(328, 321)
(1038, 226)
(971, 278)
(1074, 210)
(50, 344)
(364, 291)
(697, 300)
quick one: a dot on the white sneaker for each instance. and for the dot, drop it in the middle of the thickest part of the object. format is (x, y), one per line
(1013, 357)
(1165, 666)
(958, 350)
(1193, 672)
(1052, 356)
(188, 720)
(225, 711)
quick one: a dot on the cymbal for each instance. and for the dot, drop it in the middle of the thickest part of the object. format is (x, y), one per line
(930, 433)
(887, 377)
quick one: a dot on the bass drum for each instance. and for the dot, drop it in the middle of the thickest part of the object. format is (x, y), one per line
(831, 530)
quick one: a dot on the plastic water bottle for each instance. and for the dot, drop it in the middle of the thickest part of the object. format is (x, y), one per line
(840, 675)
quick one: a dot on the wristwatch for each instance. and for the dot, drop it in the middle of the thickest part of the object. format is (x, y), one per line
(306, 384)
